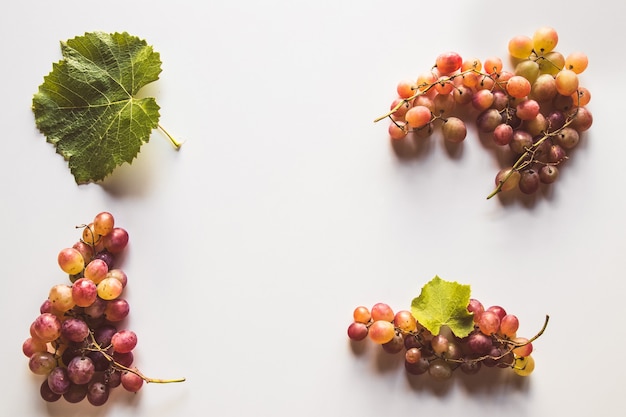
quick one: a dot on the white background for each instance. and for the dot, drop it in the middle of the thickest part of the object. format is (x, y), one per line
(287, 207)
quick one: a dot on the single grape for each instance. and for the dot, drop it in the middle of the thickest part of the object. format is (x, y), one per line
(527, 109)
(479, 344)
(413, 355)
(536, 126)
(131, 382)
(527, 69)
(84, 292)
(488, 120)
(518, 86)
(493, 65)
(520, 46)
(439, 344)
(109, 288)
(32, 345)
(566, 82)
(90, 236)
(577, 62)
(47, 327)
(116, 310)
(581, 97)
(397, 131)
(80, 370)
(74, 329)
(556, 154)
(509, 179)
(96, 270)
(71, 261)
(405, 321)
(524, 366)
(545, 40)
(97, 393)
(475, 307)
(406, 88)
(47, 394)
(444, 104)
(362, 314)
(462, 95)
(119, 275)
(521, 141)
(488, 322)
(357, 331)
(544, 88)
(125, 341)
(440, 369)
(61, 298)
(42, 363)
(418, 116)
(116, 241)
(509, 325)
(448, 62)
(582, 119)
(525, 347)
(454, 130)
(382, 311)
(103, 223)
(482, 99)
(381, 331)
(124, 359)
(58, 380)
(567, 138)
(548, 174)
(76, 393)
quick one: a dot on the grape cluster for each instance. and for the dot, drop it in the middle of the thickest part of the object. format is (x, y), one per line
(492, 343)
(77, 342)
(535, 114)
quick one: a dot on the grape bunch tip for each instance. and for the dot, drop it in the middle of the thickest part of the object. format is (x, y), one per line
(75, 342)
(537, 111)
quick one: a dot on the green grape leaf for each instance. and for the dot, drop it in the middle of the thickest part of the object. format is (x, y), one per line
(444, 303)
(87, 105)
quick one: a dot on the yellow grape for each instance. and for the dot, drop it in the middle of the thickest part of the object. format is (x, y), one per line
(566, 82)
(362, 314)
(524, 366)
(109, 288)
(71, 261)
(577, 62)
(405, 321)
(520, 47)
(545, 40)
(61, 297)
(381, 331)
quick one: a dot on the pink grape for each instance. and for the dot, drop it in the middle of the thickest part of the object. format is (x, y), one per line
(124, 341)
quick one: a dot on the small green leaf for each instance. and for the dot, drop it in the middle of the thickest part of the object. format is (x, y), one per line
(86, 106)
(444, 303)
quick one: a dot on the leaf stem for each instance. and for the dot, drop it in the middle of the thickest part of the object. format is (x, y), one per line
(174, 142)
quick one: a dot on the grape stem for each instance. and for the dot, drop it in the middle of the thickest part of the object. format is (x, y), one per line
(95, 347)
(174, 142)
